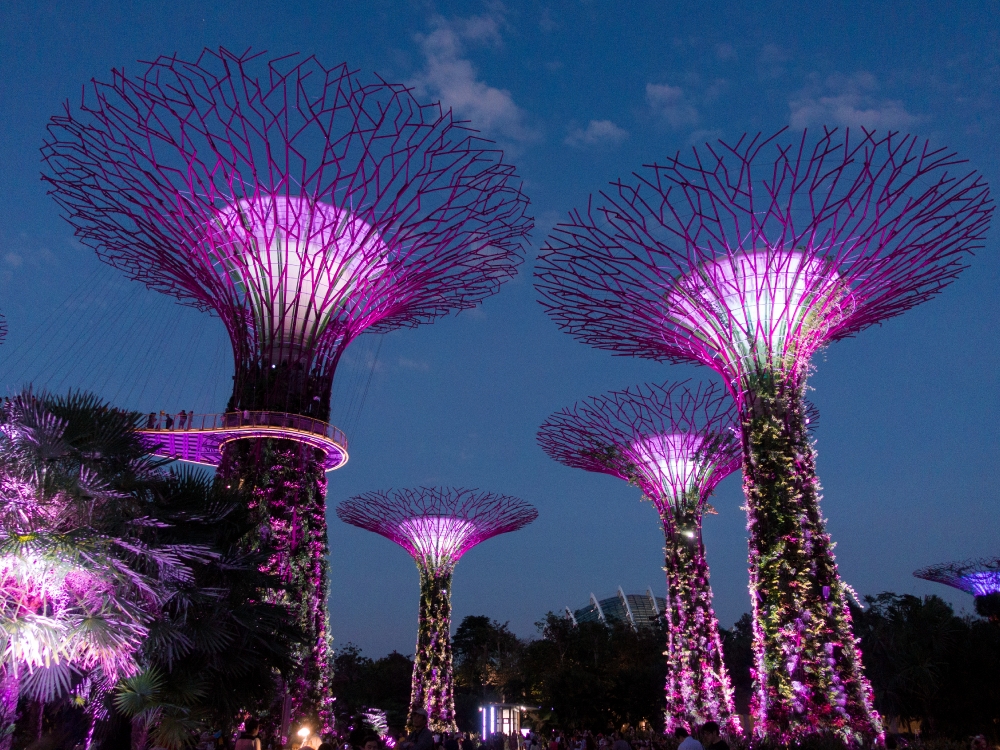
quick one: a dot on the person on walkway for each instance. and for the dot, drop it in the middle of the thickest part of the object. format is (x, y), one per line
(421, 738)
(248, 738)
(687, 741)
(182, 419)
(710, 737)
(169, 422)
(151, 420)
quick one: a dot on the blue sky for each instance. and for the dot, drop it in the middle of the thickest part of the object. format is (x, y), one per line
(577, 93)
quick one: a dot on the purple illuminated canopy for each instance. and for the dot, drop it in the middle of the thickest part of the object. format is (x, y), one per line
(437, 525)
(976, 577)
(302, 204)
(749, 256)
(668, 439)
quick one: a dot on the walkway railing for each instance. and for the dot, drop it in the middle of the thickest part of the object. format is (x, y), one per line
(201, 437)
(245, 419)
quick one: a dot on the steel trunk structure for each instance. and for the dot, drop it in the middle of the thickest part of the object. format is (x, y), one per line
(747, 258)
(675, 443)
(981, 578)
(436, 526)
(304, 206)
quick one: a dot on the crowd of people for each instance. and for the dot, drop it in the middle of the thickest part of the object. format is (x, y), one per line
(165, 421)
(254, 736)
(709, 738)
(421, 738)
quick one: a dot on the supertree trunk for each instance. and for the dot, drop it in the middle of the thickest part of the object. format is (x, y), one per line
(431, 687)
(10, 691)
(287, 487)
(698, 687)
(807, 665)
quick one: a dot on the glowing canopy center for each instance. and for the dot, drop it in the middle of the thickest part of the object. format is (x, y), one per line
(676, 463)
(758, 311)
(298, 263)
(982, 583)
(437, 540)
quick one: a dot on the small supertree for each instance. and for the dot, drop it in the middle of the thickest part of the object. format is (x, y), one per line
(748, 258)
(303, 205)
(676, 444)
(436, 526)
(981, 578)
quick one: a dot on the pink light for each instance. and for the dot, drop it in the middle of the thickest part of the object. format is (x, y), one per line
(439, 540)
(298, 261)
(673, 462)
(755, 309)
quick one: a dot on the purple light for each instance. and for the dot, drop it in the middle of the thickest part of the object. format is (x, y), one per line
(984, 583)
(676, 444)
(297, 263)
(303, 205)
(675, 462)
(436, 526)
(976, 577)
(747, 257)
(756, 309)
(438, 541)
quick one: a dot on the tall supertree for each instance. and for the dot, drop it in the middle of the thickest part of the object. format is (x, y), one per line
(303, 205)
(436, 526)
(676, 444)
(748, 257)
(981, 578)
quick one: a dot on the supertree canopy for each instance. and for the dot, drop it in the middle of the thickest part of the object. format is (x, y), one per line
(748, 257)
(981, 578)
(675, 443)
(436, 526)
(303, 205)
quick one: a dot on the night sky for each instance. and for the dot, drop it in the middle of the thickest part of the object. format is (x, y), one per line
(577, 93)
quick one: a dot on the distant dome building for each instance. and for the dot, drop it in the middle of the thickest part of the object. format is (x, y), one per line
(638, 610)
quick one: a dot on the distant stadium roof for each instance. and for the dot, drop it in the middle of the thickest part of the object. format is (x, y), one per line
(638, 610)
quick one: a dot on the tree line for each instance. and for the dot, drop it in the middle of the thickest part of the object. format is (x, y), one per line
(931, 670)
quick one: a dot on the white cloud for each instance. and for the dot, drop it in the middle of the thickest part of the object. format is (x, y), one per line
(703, 136)
(670, 103)
(452, 78)
(725, 51)
(414, 364)
(852, 101)
(597, 133)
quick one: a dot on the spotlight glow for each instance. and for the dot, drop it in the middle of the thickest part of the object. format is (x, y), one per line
(297, 261)
(758, 309)
(674, 462)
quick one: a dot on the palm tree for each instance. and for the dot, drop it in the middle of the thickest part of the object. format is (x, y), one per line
(80, 581)
(217, 646)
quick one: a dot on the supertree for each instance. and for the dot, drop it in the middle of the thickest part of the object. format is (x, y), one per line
(303, 205)
(675, 443)
(748, 257)
(436, 526)
(981, 578)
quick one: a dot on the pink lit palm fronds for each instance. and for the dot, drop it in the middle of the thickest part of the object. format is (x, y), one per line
(670, 440)
(749, 256)
(437, 525)
(80, 580)
(303, 204)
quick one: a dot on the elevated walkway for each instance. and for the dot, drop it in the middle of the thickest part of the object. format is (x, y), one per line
(203, 436)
